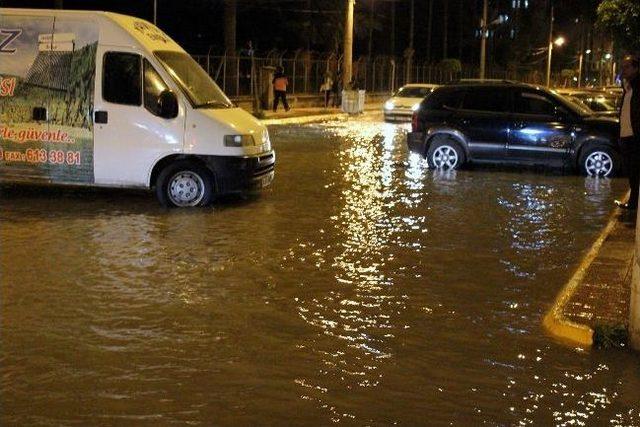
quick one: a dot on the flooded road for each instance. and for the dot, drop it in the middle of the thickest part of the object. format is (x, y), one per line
(361, 289)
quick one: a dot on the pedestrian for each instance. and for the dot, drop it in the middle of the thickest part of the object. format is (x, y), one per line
(280, 83)
(630, 127)
(326, 88)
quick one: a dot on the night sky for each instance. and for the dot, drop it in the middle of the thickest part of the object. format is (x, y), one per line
(280, 24)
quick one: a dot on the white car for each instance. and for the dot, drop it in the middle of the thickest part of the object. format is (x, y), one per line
(405, 101)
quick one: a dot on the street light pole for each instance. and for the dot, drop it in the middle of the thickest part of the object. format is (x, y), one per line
(550, 47)
(155, 12)
(348, 44)
(580, 68)
(483, 38)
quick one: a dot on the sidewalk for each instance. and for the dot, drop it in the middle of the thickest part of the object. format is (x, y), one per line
(593, 307)
(311, 114)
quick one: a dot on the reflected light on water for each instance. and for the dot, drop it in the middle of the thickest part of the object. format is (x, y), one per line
(360, 314)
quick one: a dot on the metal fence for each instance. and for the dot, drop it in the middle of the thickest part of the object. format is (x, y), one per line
(244, 76)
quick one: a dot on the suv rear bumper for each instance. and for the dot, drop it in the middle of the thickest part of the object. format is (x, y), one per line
(416, 142)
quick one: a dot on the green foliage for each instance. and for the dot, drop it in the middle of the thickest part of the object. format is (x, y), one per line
(610, 336)
(450, 65)
(622, 19)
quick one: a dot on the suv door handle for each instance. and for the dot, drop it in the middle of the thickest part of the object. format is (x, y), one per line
(101, 117)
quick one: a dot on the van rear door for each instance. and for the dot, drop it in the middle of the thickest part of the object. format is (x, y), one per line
(25, 88)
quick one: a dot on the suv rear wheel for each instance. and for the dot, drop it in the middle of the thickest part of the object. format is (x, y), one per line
(445, 153)
(599, 161)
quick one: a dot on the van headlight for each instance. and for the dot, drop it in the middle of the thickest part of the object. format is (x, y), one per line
(388, 105)
(238, 140)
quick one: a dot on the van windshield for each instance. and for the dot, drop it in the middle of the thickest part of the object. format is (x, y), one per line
(193, 80)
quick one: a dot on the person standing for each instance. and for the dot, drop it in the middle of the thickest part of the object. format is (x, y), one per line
(280, 83)
(630, 127)
(326, 88)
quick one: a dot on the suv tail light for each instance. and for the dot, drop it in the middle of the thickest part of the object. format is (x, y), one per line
(414, 121)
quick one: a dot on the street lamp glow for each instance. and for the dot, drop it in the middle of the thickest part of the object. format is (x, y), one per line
(607, 56)
(588, 51)
(559, 41)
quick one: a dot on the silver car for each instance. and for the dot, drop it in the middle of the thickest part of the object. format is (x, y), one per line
(405, 101)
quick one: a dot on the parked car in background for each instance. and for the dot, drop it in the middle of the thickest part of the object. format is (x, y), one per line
(512, 123)
(401, 105)
(602, 103)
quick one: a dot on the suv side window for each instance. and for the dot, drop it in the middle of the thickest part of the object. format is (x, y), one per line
(535, 104)
(489, 99)
(121, 78)
(444, 99)
(153, 87)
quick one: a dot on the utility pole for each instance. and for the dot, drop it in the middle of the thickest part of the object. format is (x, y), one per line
(348, 44)
(411, 25)
(580, 59)
(370, 47)
(460, 27)
(155, 12)
(483, 38)
(550, 47)
(429, 26)
(393, 28)
(445, 31)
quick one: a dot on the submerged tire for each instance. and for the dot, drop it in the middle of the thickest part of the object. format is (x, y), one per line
(602, 161)
(445, 153)
(184, 184)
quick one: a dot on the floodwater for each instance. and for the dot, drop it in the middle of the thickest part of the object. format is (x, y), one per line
(360, 289)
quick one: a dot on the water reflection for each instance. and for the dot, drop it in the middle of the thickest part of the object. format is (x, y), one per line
(361, 310)
(363, 288)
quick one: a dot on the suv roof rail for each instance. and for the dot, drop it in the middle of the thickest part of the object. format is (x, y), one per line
(480, 81)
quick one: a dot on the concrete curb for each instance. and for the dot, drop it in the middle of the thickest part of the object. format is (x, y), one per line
(314, 118)
(554, 320)
(304, 119)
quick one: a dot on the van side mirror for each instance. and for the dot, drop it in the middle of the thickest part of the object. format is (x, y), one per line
(167, 105)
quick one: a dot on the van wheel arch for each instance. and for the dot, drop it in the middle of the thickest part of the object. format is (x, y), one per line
(166, 161)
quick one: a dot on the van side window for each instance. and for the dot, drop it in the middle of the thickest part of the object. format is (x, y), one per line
(533, 103)
(121, 78)
(153, 87)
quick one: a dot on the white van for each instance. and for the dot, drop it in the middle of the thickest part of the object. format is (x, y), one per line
(102, 99)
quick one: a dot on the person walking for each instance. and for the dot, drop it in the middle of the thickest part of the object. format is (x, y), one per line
(280, 83)
(326, 88)
(630, 128)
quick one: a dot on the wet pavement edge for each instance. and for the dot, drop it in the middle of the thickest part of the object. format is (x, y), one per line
(596, 297)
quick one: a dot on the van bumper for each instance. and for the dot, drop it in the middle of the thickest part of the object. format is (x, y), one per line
(242, 174)
(416, 142)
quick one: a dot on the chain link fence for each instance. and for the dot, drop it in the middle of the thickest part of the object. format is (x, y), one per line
(244, 76)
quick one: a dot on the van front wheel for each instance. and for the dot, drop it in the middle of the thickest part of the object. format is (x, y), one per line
(184, 184)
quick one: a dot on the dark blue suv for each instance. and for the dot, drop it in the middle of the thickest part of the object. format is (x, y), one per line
(512, 123)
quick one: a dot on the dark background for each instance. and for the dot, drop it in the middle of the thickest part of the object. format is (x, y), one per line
(317, 25)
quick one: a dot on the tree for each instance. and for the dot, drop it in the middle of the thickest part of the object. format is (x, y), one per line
(622, 19)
